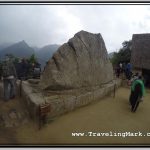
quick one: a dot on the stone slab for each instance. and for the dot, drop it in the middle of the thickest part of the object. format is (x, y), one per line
(61, 103)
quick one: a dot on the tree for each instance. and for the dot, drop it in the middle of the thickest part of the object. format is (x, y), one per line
(127, 44)
(32, 59)
(16, 60)
(124, 53)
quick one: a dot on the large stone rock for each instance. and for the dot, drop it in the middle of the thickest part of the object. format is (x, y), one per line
(81, 62)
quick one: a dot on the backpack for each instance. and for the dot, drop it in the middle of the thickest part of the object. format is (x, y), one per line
(6, 69)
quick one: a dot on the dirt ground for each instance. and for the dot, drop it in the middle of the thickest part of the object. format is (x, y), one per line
(109, 115)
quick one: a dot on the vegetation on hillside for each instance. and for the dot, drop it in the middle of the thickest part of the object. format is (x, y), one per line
(123, 55)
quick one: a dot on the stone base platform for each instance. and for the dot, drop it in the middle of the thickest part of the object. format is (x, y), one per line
(62, 101)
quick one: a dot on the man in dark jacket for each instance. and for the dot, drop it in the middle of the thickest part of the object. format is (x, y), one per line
(9, 79)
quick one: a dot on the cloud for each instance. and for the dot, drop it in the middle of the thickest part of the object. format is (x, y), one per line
(116, 23)
(39, 25)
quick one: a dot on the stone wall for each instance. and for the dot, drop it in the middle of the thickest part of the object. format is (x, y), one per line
(64, 101)
(60, 102)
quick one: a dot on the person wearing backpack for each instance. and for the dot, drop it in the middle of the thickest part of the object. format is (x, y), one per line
(9, 79)
(137, 93)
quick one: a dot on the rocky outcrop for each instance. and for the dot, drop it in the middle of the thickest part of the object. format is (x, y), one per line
(81, 62)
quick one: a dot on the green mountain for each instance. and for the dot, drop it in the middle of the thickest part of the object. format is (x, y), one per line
(20, 49)
(23, 50)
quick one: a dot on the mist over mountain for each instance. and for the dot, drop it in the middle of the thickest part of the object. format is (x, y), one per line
(36, 48)
(4, 45)
(23, 50)
(45, 53)
(20, 49)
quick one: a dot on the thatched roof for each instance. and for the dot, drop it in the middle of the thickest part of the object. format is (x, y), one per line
(140, 52)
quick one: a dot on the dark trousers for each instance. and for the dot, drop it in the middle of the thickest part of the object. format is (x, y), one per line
(9, 88)
(135, 97)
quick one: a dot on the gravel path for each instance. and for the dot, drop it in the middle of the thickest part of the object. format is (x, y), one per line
(108, 116)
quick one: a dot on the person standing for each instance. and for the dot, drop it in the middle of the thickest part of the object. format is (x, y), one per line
(137, 93)
(128, 71)
(9, 79)
(23, 69)
(117, 71)
(124, 70)
(120, 65)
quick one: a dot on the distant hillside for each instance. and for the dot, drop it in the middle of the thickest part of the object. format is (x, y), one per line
(4, 45)
(20, 49)
(45, 53)
(36, 48)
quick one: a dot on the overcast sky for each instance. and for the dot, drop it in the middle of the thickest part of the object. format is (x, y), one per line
(40, 25)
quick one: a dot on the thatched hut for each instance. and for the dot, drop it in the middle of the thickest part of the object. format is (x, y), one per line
(140, 54)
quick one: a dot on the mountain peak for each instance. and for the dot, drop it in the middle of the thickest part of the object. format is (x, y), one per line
(22, 42)
(20, 49)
